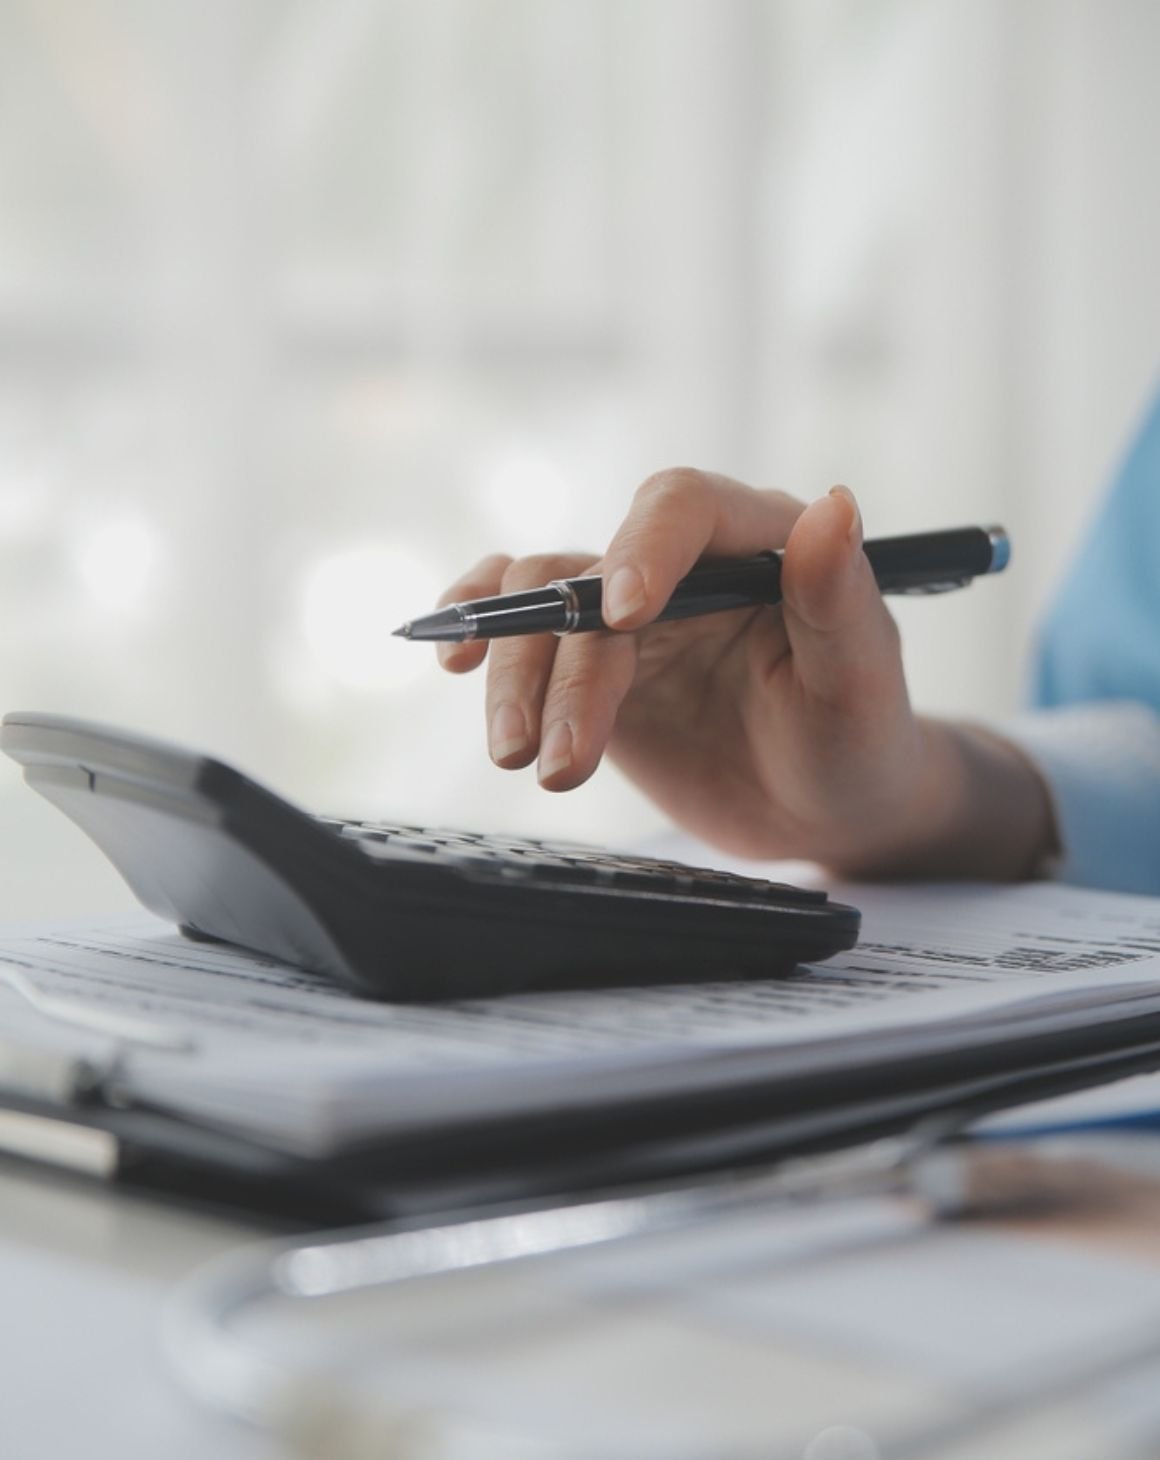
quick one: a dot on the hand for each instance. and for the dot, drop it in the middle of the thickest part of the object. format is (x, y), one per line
(769, 732)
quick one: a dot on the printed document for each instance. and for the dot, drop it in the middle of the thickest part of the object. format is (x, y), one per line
(289, 1058)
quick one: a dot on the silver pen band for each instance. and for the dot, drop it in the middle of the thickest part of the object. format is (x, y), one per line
(469, 620)
(571, 605)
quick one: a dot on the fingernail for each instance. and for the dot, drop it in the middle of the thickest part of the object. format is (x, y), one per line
(556, 751)
(509, 732)
(623, 595)
(854, 516)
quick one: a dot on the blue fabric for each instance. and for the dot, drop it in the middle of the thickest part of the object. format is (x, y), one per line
(1101, 763)
(1097, 683)
(1102, 639)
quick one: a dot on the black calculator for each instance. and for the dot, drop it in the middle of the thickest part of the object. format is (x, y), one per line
(407, 912)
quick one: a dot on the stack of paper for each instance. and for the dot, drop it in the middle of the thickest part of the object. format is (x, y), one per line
(236, 1042)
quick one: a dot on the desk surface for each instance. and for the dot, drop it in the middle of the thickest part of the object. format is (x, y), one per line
(84, 1272)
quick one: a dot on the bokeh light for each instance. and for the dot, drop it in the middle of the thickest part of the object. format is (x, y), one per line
(528, 497)
(351, 601)
(117, 564)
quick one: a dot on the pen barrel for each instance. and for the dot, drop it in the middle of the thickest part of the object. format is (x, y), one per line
(719, 587)
(708, 588)
(917, 563)
(511, 615)
(928, 562)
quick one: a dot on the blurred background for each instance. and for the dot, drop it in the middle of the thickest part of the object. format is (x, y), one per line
(307, 304)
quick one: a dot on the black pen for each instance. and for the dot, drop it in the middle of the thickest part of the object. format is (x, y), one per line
(927, 562)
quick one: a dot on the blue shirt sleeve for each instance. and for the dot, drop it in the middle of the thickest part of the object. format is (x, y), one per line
(1096, 732)
(1101, 764)
(1101, 640)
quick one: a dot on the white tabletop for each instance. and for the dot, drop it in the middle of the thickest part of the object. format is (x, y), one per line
(84, 1272)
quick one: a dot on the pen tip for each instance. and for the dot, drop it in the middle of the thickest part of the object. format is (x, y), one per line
(446, 623)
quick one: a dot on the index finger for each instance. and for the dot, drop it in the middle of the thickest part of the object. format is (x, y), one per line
(478, 582)
(676, 518)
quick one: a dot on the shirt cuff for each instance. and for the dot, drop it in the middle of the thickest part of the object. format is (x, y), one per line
(1101, 765)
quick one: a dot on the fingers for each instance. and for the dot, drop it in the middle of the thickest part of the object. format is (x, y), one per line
(552, 698)
(676, 518)
(557, 699)
(590, 678)
(844, 642)
(479, 582)
(520, 669)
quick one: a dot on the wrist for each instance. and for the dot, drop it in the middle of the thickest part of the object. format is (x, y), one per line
(976, 807)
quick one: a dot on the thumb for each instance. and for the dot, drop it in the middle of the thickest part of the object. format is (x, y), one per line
(844, 642)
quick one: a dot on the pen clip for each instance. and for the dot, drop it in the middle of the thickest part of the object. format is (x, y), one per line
(924, 590)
